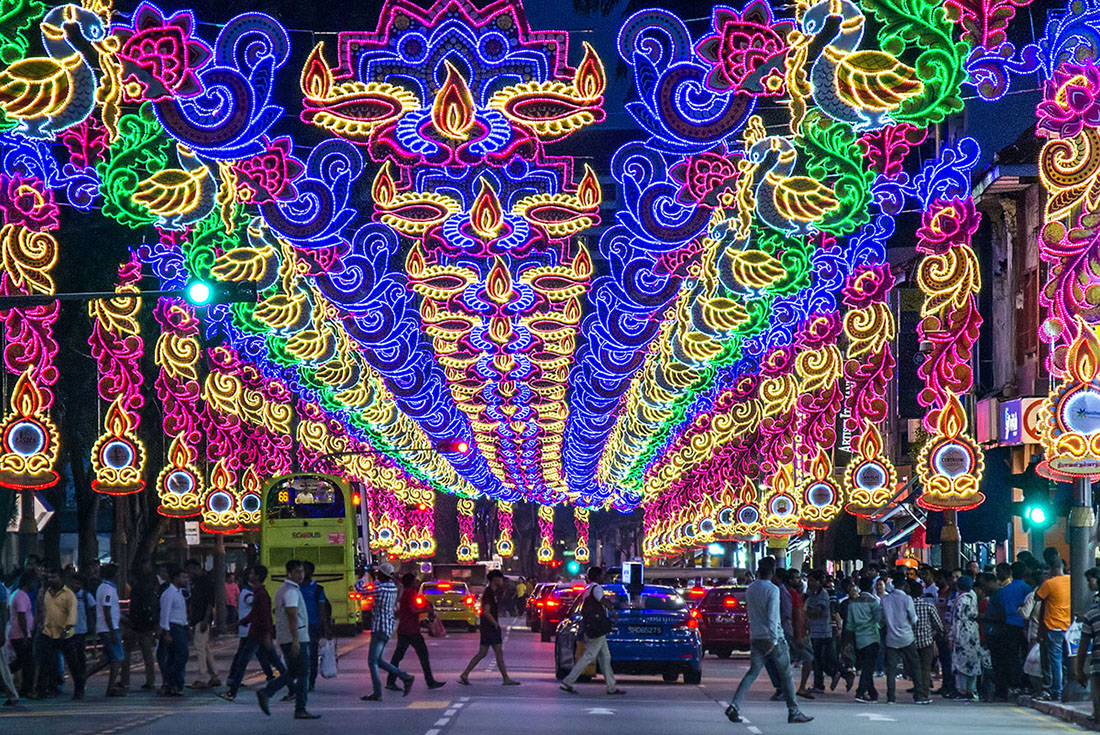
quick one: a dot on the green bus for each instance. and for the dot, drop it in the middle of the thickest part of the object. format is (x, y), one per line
(310, 517)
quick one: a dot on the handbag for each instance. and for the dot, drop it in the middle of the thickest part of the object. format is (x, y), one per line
(435, 627)
(328, 659)
(1033, 666)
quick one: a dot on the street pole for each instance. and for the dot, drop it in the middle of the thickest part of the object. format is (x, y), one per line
(1082, 544)
(950, 556)
(28, 528)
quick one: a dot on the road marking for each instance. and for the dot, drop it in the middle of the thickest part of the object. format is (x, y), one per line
(441, 721)
(463, 699)
(433, 731)
(428, 704)
(875, 717)
(451, 712)
(754, 730)
(600, 711)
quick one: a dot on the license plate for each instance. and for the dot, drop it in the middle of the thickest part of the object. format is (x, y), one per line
(646, 629)
(724, 618)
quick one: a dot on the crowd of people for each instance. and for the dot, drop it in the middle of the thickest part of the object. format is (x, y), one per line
(53, 620)
(989, 634)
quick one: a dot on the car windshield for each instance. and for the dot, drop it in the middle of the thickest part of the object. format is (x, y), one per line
(724, 597)
(652, 598)
(441, 588)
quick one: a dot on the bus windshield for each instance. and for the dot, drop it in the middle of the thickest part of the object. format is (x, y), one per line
(305, 496)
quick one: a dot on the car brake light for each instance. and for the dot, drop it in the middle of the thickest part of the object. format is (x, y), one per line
(469, 600)
(695, 613)
(690, 623)
(731, 602)
(578, 588)
(552, 603)
(539, 603)
(419, 601)
(444, 585)
(696, 592)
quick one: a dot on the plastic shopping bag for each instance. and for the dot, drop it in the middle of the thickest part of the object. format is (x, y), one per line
(1034, 665)
(328, 659)
(1073, 638)
(435, 628)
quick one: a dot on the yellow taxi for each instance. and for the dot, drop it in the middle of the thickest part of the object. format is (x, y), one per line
(453, 603)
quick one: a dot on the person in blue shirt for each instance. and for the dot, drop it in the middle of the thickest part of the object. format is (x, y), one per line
(1010, 648)
(319, 610)
(85, 611)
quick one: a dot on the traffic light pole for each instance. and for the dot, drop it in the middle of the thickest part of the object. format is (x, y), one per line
(1082, 544)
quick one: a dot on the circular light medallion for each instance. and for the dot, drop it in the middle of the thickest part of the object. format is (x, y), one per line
(26, 438)
(820, 494)
(781, 506)
(870, 476)
(180, 482)
(952, 460)
(725, 516)
(117, 454)
(748, 515)
(706, 525)
(250, 503)
(1081, 412)
(220, 502)
(385, 534)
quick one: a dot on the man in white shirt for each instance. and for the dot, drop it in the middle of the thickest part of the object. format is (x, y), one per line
(107, 618)
(596, 645)
(174, 638)
(292, 635)
(900, 616)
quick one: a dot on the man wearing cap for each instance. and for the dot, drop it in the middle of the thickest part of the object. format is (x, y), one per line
(383, 623)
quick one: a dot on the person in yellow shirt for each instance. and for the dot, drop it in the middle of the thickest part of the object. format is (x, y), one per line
(57, 628)
(1055, 614)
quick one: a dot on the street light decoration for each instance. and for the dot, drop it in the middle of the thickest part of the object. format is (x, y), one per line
(870, 478)
(118, 455)
(29, 439)
(179, 485)
(1071, 414)
(950, 464)
(220, 512)
(580, 519)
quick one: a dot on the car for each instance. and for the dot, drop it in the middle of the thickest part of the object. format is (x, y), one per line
(555, 605)
(656, 633)
(362, 594)
(724, 620)
(534, 608)
(453, 603)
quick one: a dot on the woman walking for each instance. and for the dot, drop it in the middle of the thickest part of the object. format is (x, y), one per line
(966, 645)
(491, 636)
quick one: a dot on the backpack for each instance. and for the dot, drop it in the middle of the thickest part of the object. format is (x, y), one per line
(595, 618)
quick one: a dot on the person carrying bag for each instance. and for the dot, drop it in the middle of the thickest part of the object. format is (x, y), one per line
(597, 624)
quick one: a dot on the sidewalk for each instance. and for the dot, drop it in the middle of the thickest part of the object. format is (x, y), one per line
(1077, 713)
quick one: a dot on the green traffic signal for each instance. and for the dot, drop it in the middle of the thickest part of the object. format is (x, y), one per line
(199, 293)
(1036, 516)
(573, 567)
(205, 293)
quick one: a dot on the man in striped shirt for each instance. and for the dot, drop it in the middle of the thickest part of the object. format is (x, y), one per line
(383, 623)
(927, 630)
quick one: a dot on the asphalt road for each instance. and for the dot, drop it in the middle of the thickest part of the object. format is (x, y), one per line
(650, 706)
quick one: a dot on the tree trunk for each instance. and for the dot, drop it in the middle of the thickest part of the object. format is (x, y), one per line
(87, 505)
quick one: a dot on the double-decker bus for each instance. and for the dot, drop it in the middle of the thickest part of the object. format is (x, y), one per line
(309, 516)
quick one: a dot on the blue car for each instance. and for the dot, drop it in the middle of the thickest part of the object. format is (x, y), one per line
(656, 633)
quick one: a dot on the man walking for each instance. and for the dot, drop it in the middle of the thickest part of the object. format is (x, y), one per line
(767, 642)
(383, 624)
(317, 607)
(141, 623)
(107, 619)
(410, 608)
(597, 612)
(899, 614)
(21, 633)
(58, 623)
(863, 623)
(85, 612)
(7, 682)
(491, 636)
(202, 616)
(256, 630)
(292, 635)
(819, 615)
(927, 629)
(175, 641)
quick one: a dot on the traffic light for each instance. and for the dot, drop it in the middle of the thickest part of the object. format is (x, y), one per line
(573, 567)
(453, 446)
(204, 293)
(1036, 509)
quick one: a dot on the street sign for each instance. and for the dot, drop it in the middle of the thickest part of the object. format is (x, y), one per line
(191, 533)
(425, 567)
(42, 513)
